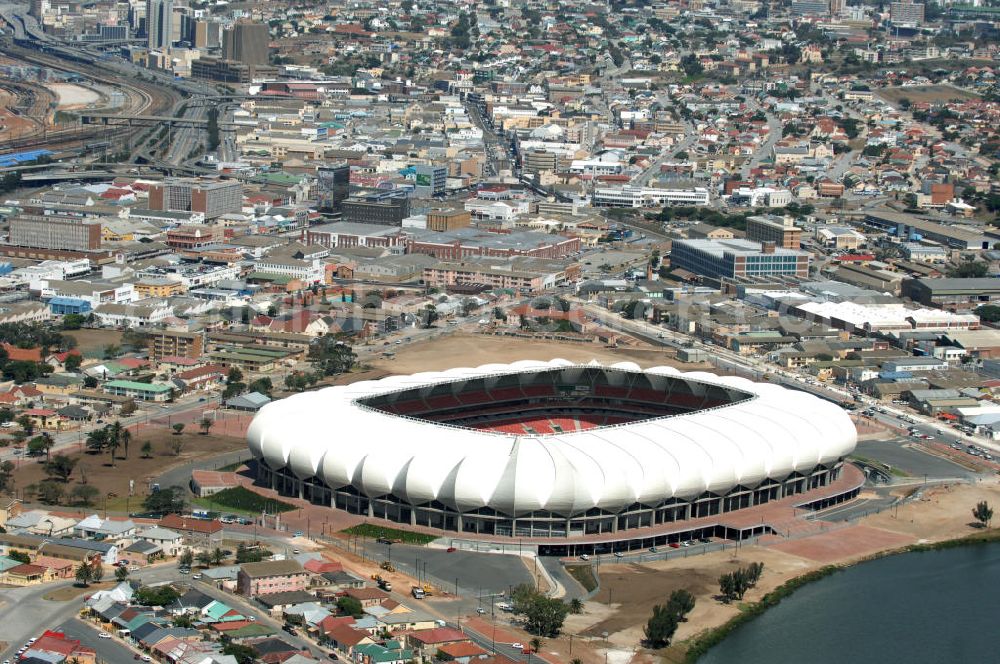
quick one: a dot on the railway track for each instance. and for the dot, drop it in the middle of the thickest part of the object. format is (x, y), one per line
(141, 99)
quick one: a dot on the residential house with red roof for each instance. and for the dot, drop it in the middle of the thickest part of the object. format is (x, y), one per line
(55, 647)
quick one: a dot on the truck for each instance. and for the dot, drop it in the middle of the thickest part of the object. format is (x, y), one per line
(417, 592)
(387, 566)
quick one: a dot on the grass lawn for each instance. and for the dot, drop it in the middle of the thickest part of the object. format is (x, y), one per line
(240, 499)
(74, 591)
(584, 574)
(369, 530)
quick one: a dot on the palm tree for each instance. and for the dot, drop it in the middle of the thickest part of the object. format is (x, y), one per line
(114, 440)
(126, 438)
(84, 573)
(206, 424)
(536, 645)
(47, 443)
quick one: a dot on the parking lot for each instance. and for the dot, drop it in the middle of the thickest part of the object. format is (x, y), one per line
(475, 573)
(911, 457)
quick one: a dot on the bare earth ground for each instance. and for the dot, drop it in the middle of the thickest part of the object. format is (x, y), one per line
(99, 473)
(924, 93)
(469, 350)
(92, 342)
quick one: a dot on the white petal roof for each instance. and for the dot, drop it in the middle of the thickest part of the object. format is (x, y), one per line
(327, 434)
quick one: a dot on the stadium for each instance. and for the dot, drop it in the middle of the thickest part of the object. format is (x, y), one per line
(552, 449)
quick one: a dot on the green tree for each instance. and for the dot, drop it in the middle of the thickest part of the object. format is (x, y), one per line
(349, 606)
(73, 321)
(185, 559)
(660, 627)
(121, 573)
(575, 606)
(983, 513)
(218, 555)
(50, 492)
(681, 603)
(543, 615)
(178, 428)
(6, 474)
(167, 500)
(73, 362)
(989, 313)
(206, 425)
(244, 654)
(262, 385)
(147, 449)
(156, 595)
(20, 556)
(84, 574)
(60, 467)
(97, 440)
(969, 270)
(204, 558)
(428, 316)
(84, 494)
(331, 356)
(36, 446)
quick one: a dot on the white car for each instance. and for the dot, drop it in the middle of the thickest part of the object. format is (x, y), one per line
(104, 635)
(519, 646)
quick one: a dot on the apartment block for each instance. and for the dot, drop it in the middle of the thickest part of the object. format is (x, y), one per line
(174, 343)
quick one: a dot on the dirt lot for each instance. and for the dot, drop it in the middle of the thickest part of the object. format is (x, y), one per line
(92, 342)
(469, 350)
(925, 93)
(97, 471)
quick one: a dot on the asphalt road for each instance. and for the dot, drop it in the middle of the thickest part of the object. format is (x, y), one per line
(909, 457)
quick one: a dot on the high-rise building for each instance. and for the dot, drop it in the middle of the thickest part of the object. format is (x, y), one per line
(430, 179)
(214, 198)
(246, 43)
(333, 185)
(51, 232)
(906, 13)
(159, 24)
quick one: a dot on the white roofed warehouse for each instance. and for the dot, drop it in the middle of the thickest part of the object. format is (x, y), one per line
(551, 449)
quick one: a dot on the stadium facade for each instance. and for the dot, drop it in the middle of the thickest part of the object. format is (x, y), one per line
(550, 449)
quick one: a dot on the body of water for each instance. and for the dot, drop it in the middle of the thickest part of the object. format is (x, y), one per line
(933, 607)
